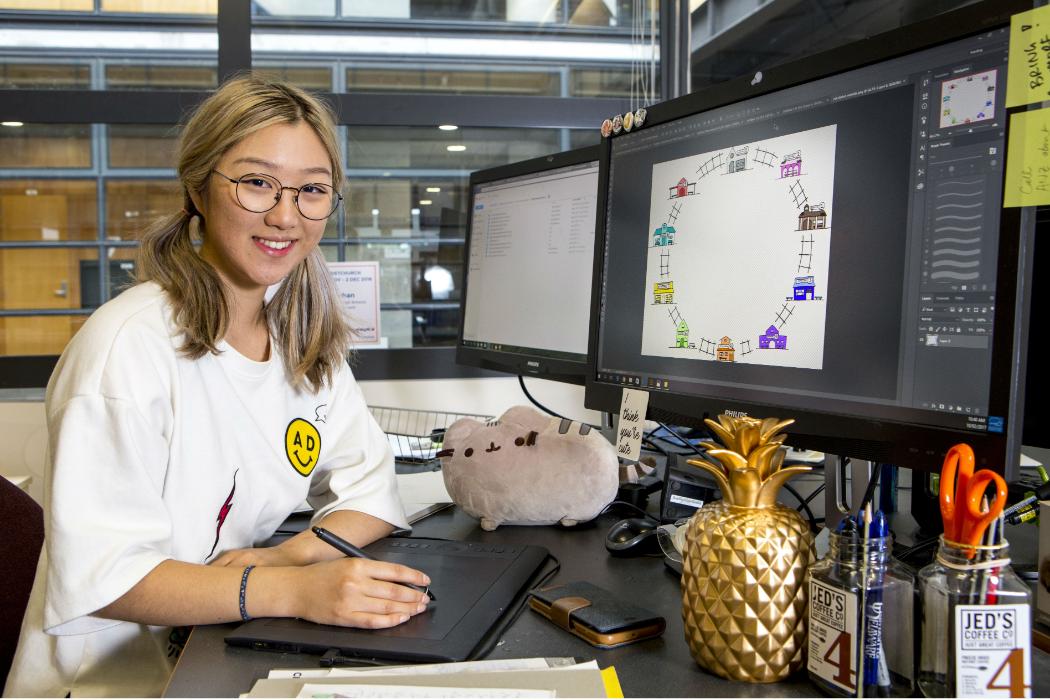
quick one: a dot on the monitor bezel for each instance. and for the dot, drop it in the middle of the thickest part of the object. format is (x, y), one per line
(518, 362)
(904, 444)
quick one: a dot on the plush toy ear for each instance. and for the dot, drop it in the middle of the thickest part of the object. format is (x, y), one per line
(525, 416)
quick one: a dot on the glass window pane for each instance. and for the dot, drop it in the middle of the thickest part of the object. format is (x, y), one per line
(142, 146)
(463, 149)
(578, 138)
(45, 145)
(37, 335)
(294, 8)
(167, 7)
(317, 78)
(139, 75)
(383, 207)
(44, 75)
(602, 82)
(452, 80)
(48, 210)
(64, 5)
(132, 205)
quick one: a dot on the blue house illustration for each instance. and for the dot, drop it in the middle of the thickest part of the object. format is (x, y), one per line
(804, 288)
(772, 340)
(664, 236)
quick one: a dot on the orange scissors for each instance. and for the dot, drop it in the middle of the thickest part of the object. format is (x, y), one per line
(961, 492)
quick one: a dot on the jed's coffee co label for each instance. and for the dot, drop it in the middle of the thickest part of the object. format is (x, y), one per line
(833, 635)
(993, 651)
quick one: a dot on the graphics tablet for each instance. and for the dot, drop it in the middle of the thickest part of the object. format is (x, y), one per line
(474, 585)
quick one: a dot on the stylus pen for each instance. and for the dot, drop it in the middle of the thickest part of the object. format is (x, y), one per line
(352, 551)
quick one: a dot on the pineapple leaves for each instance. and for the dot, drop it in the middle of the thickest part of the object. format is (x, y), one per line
(767, 495)
(714, 470)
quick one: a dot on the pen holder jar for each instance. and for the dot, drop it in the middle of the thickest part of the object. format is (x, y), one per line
(976, 624)
(861, 612)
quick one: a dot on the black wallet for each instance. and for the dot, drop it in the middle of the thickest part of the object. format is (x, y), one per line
(596, 615)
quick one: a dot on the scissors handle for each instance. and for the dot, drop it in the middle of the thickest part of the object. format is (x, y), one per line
(976, 521)
(955, 480)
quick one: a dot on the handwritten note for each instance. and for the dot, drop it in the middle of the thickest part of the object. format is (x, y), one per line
(629, 428)
(1028, 160)
(1028, 72)
(358, 287)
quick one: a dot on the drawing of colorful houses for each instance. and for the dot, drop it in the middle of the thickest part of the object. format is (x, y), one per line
(725, 352)
(682, 189)
(812, 217)
(681, 338)
(737, 159)
(664, 235)
(804, 288)
(772, 340)
(791, 165)
(663, 293)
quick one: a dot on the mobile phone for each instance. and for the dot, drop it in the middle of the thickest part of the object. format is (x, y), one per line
(596, 615)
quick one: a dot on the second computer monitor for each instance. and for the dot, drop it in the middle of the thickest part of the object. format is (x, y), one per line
(529, 259)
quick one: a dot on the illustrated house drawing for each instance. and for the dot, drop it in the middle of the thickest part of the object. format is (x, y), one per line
(791, 165)
(812, 217)
(663, 293)
(737, 159)
(681, 339)
(682, 189)
(803, 288)
(772, 340)
(664, 236)
(724, 352)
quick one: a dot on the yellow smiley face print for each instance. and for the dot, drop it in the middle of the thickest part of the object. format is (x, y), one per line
(302, 444)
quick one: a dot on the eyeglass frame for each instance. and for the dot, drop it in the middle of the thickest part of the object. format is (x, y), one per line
(280, 192)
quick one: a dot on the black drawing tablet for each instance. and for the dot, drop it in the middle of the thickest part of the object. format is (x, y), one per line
(474, 585)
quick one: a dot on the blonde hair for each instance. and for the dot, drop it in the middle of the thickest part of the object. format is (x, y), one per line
(305, 315)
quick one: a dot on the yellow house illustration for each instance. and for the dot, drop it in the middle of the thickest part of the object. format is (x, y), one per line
(663, 292)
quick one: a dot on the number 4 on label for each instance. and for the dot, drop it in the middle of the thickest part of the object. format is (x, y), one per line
(1015, 685)
(844, 662)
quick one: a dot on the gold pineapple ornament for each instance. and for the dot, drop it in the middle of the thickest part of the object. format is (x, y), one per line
(743, 595)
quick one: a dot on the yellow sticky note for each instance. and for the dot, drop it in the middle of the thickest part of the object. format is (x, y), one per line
(1028, 69)
(612, 682)
(1028, 160)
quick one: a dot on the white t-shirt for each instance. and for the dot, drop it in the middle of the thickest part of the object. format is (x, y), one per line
(153, 456)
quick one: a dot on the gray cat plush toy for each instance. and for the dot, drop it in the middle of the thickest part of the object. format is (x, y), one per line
(526, 468)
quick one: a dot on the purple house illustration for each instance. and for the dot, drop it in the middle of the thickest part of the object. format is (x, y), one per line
(772, 340)
(791, 165)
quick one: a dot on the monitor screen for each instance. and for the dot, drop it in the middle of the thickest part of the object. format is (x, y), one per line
(529, 259)
(827, 243)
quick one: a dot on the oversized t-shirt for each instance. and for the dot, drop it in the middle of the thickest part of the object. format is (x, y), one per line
(153, 456)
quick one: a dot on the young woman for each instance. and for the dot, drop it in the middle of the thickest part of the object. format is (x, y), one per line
(190, 416)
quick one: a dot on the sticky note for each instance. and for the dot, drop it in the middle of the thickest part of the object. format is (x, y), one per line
(611, 682)
(630, 427)
(1028, 160)
(1028, 67)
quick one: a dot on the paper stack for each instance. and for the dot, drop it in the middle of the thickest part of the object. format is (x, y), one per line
(496, 678)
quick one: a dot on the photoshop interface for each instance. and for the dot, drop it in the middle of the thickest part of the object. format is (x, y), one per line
(829, 246)
(530, 263)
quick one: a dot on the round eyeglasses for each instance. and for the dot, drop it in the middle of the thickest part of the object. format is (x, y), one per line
(260, 193)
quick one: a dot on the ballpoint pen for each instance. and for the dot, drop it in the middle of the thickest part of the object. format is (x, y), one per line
(352, 551)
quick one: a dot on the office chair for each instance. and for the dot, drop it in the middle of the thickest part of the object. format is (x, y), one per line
(22, 520)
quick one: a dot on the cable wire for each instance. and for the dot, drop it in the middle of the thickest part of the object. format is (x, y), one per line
(521, 381)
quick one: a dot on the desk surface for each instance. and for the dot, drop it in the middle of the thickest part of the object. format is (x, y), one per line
(655, 667)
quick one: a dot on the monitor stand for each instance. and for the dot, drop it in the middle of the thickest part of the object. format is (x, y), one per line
(837, 502)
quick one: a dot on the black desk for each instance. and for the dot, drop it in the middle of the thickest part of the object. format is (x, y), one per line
(652, 668)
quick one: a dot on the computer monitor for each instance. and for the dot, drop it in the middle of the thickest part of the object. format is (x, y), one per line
(529, 254)
(826, 242)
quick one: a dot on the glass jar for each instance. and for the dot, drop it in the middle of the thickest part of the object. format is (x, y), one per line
(976, 624)
(861, 612)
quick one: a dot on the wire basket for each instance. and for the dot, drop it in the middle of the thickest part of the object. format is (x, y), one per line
(416, 436)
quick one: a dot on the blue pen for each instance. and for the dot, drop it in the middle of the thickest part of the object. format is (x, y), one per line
(876, 672)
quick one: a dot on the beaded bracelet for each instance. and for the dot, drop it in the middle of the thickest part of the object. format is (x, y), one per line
(244, 586)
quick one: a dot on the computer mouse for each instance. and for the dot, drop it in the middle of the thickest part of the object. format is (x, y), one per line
(633, 537)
